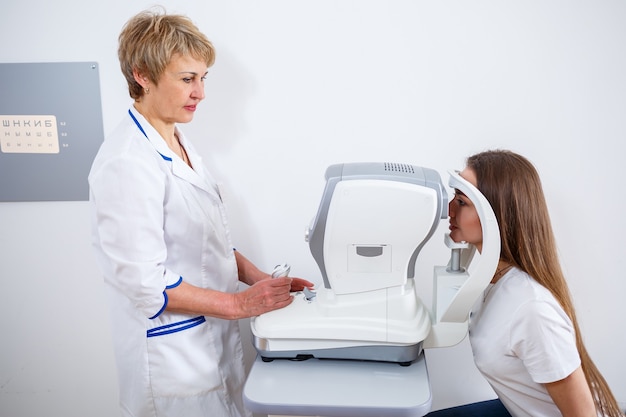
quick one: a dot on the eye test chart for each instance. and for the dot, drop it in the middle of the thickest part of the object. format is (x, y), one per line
(50, 130)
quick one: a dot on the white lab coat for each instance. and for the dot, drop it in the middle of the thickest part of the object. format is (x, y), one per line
(157, 222)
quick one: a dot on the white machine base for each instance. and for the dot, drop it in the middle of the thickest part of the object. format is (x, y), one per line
(387, 325)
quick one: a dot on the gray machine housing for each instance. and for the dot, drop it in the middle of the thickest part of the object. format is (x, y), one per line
(380, 171)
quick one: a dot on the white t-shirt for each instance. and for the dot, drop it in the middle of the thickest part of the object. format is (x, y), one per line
(521, 338)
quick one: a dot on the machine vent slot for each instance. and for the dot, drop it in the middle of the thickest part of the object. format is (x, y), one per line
(390, 166)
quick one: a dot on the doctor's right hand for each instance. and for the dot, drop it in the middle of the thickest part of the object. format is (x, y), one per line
(265, 295)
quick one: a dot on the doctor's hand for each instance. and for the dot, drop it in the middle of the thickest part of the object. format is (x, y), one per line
(265, 295)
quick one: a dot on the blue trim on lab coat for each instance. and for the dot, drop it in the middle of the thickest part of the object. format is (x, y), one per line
(175, 327)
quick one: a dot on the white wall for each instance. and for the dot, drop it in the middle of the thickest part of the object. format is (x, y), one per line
(299, 85)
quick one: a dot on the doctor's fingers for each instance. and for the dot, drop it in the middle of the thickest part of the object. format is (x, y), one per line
(272, 291)
(259, 299)
(255, 306)
(299, 284)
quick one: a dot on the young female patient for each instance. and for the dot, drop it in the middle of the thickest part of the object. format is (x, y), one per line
(524, 334)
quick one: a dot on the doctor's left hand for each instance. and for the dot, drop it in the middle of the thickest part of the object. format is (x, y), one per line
(265, 295)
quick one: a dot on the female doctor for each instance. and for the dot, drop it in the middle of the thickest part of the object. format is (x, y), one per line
(162, 240)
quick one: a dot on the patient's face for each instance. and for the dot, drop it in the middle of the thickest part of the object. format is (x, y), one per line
(464, 221)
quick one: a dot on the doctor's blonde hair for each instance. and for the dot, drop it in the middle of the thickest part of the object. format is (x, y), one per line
(150, 39)
(512, 186)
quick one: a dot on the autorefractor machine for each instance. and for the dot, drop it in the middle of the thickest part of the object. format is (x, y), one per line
(372, 222)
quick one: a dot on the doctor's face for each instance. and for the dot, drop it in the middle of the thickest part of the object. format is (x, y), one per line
(179, 90)
(464, 220)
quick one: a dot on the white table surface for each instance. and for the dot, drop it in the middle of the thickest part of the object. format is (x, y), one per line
(338, 388)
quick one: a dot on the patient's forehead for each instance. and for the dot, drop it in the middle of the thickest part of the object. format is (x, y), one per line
(469, 175)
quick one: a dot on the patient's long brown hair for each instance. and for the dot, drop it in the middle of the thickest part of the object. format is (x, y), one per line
(512, 186)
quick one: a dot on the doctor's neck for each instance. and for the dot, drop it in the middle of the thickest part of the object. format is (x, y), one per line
(166, 129)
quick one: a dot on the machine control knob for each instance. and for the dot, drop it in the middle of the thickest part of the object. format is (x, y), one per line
(309, 295)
